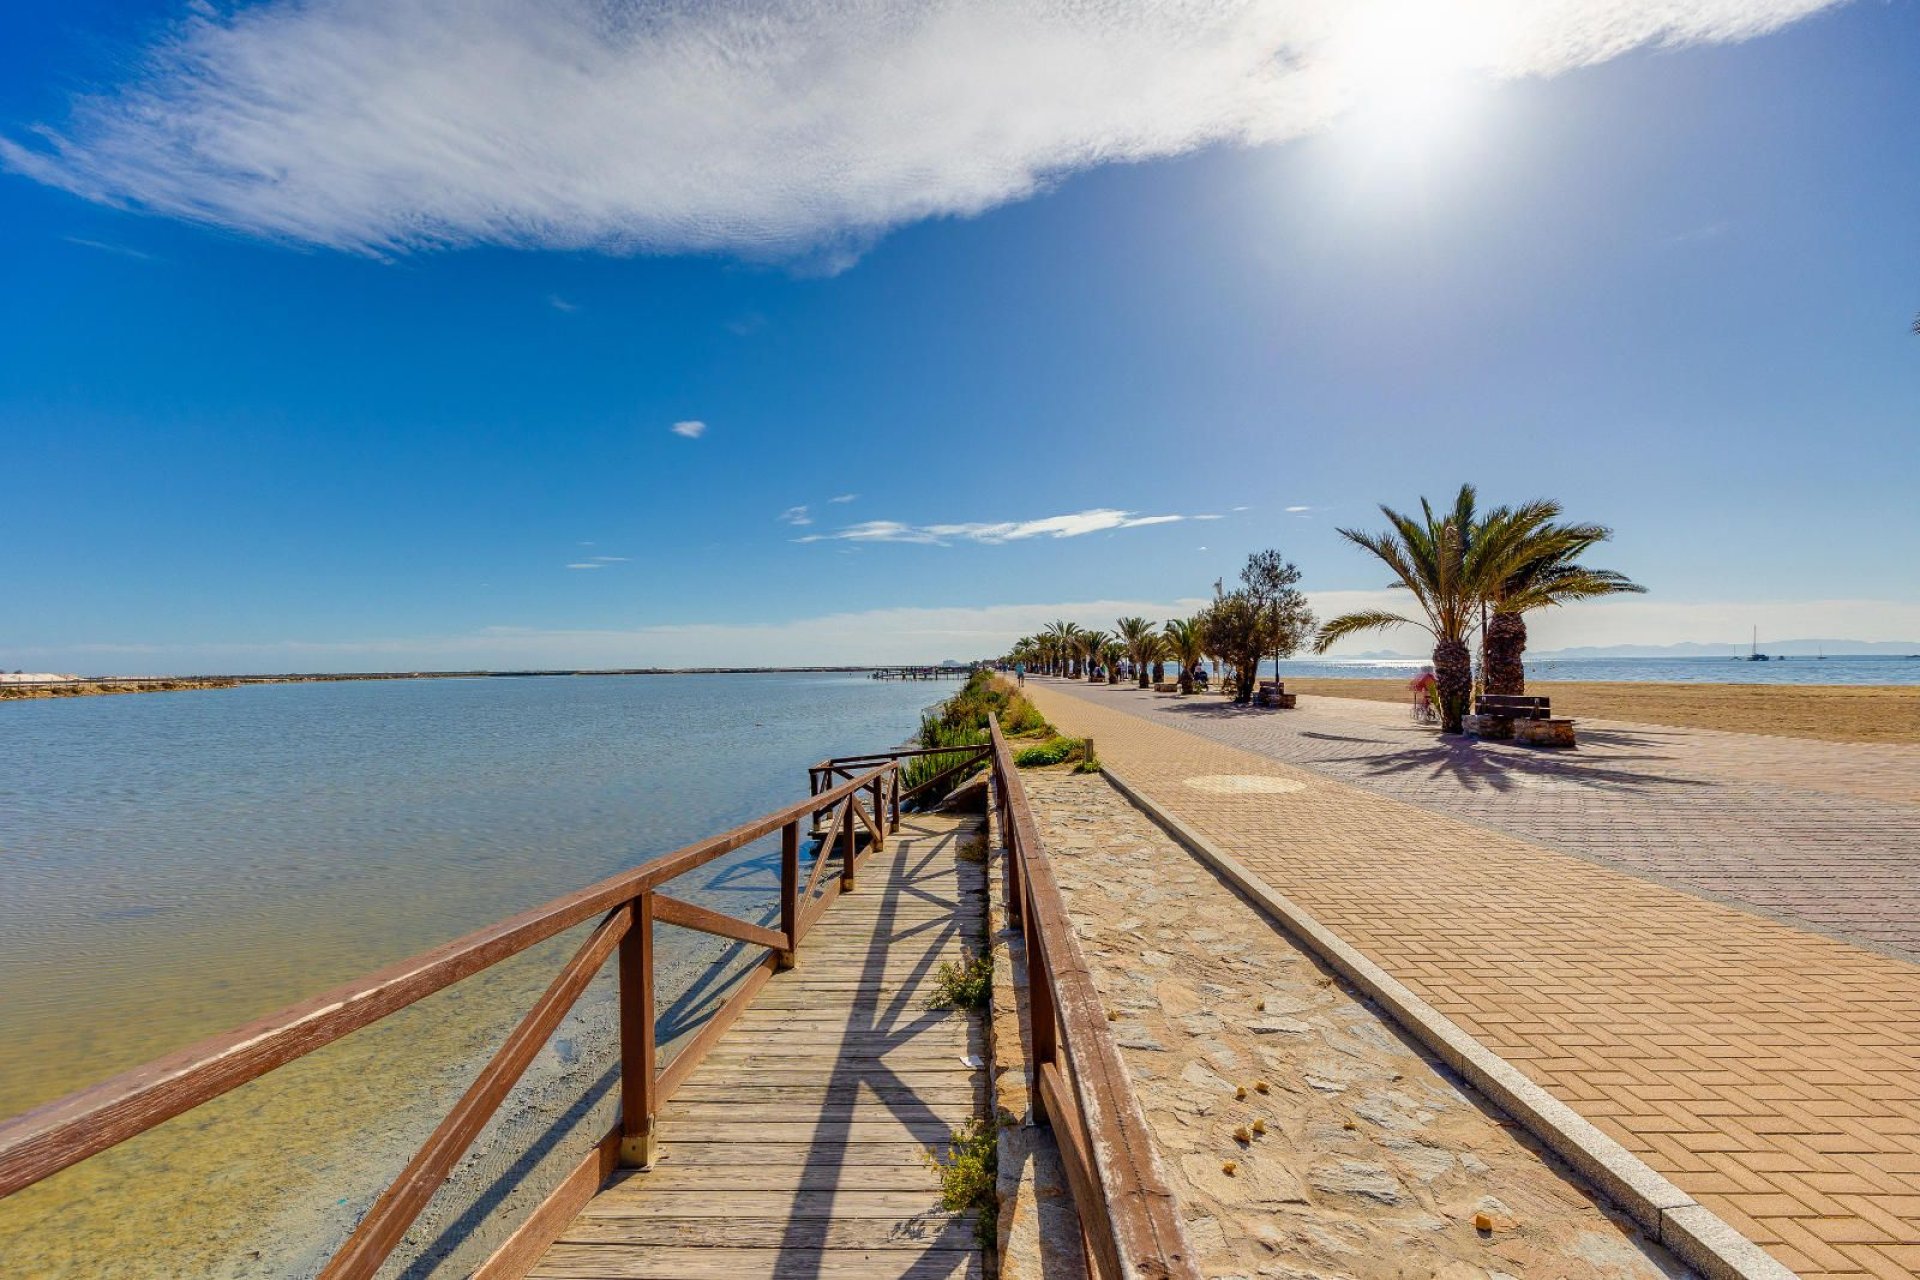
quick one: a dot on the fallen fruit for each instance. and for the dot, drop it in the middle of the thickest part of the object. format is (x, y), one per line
(1260, 1086)
(1259, 1125)
(1241, 1135)
(1482, 1222)
(1239, 1092)
(1260, 1006)
(1228, 1167)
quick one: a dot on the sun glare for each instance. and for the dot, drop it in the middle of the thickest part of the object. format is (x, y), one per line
(1405, 73)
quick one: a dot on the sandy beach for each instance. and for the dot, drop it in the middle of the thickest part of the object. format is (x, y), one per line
(1830, 712)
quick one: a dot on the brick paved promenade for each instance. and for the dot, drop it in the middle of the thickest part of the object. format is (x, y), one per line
(1771, 1071)
(1822, 834)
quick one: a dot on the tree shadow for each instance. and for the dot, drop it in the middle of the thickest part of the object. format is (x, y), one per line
(1476, 765)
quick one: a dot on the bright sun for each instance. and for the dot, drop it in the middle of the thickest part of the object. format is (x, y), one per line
(1406, 71)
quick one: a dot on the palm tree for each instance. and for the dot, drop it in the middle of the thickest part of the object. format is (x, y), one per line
(1187, 646)
(1112, 652)
(1092, 645)
(1449, 571)
(1546, 573)
(1066, 640)
(1135, 633)
(1157, 654)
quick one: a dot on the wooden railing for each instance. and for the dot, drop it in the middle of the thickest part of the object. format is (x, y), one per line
(1129, 1216)
(42, 1142)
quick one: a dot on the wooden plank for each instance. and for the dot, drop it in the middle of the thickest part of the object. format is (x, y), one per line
(658, 1203)
(691, 1152)
(620, 1262)
(933, 1232)
(702, 1044)
(689, 915)
(798, 1145)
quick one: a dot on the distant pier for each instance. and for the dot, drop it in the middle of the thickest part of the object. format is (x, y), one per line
(922, 673)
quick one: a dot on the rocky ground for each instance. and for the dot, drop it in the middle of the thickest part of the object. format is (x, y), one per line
(1303, 1136)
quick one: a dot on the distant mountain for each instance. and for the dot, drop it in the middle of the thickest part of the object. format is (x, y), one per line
(1792, 648)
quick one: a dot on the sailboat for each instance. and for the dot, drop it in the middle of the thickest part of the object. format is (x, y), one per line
(1754, 654)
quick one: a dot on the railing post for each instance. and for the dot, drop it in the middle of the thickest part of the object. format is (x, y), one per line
(894, 818)
(1041, 1029)
(789, 894)
(878, 791)
(637, 1136)
(846, 858)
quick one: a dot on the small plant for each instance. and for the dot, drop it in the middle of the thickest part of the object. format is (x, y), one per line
(1055, 750)
(969, 1176)
(1088, 763)
(973, 850)
(967, 985)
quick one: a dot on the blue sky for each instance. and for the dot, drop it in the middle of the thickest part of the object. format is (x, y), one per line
(365, 408)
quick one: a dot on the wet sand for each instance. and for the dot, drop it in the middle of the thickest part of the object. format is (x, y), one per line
(1828, 712)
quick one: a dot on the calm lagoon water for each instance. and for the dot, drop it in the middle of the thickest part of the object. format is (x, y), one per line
(172, 864)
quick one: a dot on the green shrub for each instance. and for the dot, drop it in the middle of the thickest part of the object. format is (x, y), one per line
(961, 721)
(967, 985)
(1055, 750)
(969, 1176)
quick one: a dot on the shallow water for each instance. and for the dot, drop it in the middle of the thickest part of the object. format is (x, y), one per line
(172, 864)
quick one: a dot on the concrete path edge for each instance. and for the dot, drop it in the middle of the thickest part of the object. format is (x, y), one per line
(1694, 1233)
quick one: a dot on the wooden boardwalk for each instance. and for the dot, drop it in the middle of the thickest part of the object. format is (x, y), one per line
(796, 1149)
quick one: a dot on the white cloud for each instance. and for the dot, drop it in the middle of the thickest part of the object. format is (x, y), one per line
(843, 497)
(795, 516)
(611, 559)
(761, 127)
(692, 430)
(559, 303)
(1294, 511)
(585, 565)
(923, 635)
(1097, 520)
(104, 246)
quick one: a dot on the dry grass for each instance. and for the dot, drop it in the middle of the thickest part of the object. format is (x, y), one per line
(1829, 712)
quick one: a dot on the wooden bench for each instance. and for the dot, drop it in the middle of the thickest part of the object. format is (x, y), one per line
(1523, 719)
(1273, 693)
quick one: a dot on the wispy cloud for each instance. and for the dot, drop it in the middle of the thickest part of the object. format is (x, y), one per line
(611, 559)
(559, 303)
(746, 325)
(795, 516)
(691, 429)
(106, 246)
(843, 497)
(762, 127)
(1078, 524)
(586, 564)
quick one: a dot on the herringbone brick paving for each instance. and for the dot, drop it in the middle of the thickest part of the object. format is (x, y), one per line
(1769, 1070)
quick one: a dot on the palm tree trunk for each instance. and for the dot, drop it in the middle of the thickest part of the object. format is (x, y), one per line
(1506, 641)
(1453, 680)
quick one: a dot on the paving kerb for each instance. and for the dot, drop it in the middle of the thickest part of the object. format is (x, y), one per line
(1697, 1235)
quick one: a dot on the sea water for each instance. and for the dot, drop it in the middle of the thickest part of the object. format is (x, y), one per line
(174, 864)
